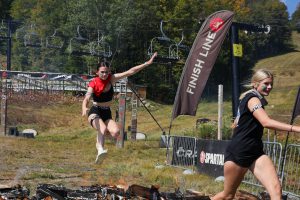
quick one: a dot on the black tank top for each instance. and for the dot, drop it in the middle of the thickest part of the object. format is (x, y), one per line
(104, 96)
(247, 136)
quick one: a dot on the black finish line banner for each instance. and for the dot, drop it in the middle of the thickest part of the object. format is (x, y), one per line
(200, 62)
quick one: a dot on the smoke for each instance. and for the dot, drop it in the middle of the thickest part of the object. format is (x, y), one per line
(20, 173)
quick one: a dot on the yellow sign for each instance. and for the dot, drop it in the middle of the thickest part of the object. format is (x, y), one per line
(237, 50)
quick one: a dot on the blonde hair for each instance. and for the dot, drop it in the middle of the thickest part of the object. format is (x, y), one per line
(257, 77)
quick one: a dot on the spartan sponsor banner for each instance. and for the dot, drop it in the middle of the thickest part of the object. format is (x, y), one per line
(296, 110)
(200, 61)
(210, 157)
(183, 151)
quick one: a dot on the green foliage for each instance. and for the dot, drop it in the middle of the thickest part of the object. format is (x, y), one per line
(128, 27)
(4, 8)
(210, 131)
(207, 131)
(274, 14)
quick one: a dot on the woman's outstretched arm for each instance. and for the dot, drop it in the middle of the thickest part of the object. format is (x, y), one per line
(133, 70)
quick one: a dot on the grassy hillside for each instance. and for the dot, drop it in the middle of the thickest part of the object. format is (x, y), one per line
(286, 69)
(64, 151)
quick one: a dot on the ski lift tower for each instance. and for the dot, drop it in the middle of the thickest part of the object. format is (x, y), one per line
(5, 34)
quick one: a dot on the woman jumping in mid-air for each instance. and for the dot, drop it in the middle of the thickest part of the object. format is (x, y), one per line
(101, 90)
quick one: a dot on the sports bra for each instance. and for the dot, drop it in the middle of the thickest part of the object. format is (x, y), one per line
(104, 96)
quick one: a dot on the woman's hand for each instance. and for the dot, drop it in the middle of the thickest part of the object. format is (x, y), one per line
(150, 61)
(84, 111)
(295, 129)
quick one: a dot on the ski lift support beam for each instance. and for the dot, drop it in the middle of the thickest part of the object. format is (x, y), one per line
(234, 37)
(10, 24)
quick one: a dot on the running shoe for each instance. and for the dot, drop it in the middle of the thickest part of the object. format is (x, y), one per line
(101, 155)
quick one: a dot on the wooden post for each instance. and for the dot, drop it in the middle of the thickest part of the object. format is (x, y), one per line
(133, 116)
(122, 110)
(220, 112)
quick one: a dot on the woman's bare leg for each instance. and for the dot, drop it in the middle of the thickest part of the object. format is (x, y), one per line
(264, 170)
(113, 128)
(100, 126)
(233, 176)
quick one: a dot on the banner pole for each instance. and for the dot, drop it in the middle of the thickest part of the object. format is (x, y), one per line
(220, 112)
(287, 136)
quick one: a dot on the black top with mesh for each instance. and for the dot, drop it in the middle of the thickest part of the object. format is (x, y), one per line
(104, 96)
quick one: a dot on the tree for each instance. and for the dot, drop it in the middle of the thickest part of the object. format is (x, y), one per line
(296, 19)
(274, 14)
(5, 7)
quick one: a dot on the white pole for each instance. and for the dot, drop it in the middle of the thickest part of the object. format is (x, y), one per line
(3, 107)
(220, 111)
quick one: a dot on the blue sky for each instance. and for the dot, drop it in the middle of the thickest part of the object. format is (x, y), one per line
(291, 5)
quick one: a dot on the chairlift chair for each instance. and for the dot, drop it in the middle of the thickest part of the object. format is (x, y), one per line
(173, 52)
(54, 41)
(100, 47)
(182, 49)
(32, 39)
(20, 33)
(79, 45)
(167, 50)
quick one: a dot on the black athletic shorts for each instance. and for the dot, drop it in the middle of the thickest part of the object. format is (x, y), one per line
(103, 113)
(243, 161)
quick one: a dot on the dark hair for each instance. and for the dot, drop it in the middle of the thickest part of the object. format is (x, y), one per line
(103, 64)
